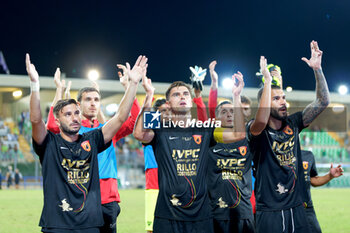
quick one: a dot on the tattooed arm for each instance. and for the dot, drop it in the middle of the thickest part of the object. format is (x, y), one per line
(322, 93)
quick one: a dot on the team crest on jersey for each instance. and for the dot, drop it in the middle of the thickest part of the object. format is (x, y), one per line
(287, 130)
(197, 139)
(305, 165)
(86, 145)
(242, 150)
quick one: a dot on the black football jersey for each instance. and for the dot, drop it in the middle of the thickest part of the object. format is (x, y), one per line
(277, 159)
(182, 157)
(72, 198)
(230, 180)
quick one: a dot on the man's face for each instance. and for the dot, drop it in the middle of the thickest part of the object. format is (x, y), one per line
(164, 109)
(278, 104)
(247, 111)
(226, 115)
(69, 119)
(180, 100)
(90, 104)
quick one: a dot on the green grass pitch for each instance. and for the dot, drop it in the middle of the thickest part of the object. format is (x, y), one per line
(20, 210)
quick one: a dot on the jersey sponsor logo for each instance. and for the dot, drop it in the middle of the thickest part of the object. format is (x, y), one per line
(243, 150)
(186, 161)
(63, 148)
(65, 205)
(287, 130)
(185, 154)
(228, 174)
(285, 152)
(305, 164)
(77, 171)
(230, 163)
(173, 138)
(151, 120)
(197, 139)
(86, 145)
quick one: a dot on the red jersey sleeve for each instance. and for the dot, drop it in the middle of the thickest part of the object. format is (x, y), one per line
(128, 125)
(51, 124)
(201, 109)
(212, 102)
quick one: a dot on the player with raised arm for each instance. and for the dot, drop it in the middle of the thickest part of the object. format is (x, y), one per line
(69, 159)
(229, 171)
(312, 178)
(181, 153)
(274, 140)
(92, 118)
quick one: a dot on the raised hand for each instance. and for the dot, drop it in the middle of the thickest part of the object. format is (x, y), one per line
(316, 56)
(123, 77)
(57, 79)
(147, 85)
(137, 72)
(336, 171)
(67, 91)
(33, 74)
(238, 83)
(214, 76)
(95, 85)
(263, 69)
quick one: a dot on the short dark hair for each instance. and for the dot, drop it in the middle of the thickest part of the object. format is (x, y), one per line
(217, 109)
(159, 102)
(61, 104)
(262, 89)
(85, 90)
(176, 84)
(246, 100)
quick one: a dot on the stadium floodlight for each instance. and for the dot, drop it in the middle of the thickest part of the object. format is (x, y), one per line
(17, 94)
(93, 74)
(289, 89)
(343, 90)
(338, 108)
(227, 83)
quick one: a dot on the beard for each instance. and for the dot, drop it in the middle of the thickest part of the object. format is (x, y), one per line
(274, 113)
(65, 129)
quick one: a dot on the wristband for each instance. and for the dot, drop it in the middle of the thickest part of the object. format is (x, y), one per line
(34, 86)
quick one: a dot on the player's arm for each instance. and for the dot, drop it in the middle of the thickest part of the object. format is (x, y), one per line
(141, 134)
(236, 133)
(213, 92)
(128, 126)
(334, 172)
(135, 74)
(263, 113)
(38, 126)
(60, 86)
(201, 109)
(322, 93)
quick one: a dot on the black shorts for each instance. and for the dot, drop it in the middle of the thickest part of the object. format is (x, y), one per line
(162, 225)
(234, 225)
(55, 230)
(312, 220)
(110, 213)
(287, 221)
